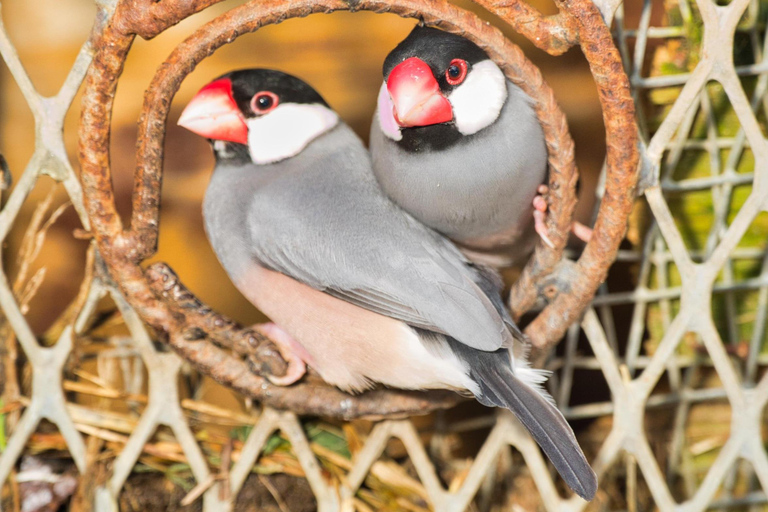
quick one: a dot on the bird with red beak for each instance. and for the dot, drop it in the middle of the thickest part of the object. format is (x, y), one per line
(459, 146)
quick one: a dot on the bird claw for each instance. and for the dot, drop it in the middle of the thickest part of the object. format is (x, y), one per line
(540, 215)
(540, 207)
(288, 348)
(540, 224)
(581, 231)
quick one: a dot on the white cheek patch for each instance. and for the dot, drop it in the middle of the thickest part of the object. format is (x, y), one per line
(385, 112)
(287, 130)
(477, 102)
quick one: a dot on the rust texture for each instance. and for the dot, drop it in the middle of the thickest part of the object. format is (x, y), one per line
(148, 18)
(204, 321)
(554, 34)
(193, 329)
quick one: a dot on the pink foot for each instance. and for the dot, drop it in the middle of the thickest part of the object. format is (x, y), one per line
(581, 231)
(293, 353)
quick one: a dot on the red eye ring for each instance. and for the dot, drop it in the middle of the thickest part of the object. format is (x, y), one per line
(264, 101)
(451, 74)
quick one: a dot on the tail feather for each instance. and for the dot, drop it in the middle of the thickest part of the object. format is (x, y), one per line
(500, 387)
(547, 426)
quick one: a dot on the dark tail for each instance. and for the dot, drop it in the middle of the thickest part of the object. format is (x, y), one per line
(500, 388)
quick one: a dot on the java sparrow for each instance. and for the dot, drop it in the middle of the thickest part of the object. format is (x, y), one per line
(360, 290)
(459, 147)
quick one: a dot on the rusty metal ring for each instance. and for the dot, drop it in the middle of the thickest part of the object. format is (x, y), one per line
(156, 293)
(580, 21)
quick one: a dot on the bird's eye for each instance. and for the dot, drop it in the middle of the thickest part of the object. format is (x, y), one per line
(264, 101)
(456, 72)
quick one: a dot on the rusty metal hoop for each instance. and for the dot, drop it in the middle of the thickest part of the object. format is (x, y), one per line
(165, 304)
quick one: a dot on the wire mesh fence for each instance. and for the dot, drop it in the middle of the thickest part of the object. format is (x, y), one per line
(668, 364)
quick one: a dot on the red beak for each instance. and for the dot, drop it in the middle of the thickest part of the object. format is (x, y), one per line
(416, 95)
(213, 114)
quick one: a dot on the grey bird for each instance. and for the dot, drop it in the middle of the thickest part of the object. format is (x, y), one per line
(459, 147)
(360, 290)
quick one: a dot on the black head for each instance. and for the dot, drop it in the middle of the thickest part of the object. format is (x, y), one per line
(261, 115)
(246, 83)
(438, 49)
(439, 88)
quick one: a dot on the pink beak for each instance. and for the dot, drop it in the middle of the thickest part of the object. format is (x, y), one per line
(213, 114)
(416, 95)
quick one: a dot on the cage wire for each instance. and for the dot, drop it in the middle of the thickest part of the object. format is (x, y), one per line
(675, 341)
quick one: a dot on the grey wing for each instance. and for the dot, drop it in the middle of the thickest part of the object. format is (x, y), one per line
(490, 282)
(377, 257)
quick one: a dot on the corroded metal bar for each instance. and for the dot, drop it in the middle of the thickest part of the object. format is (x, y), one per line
(204, 322)
(554, 34)
(621, 179)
